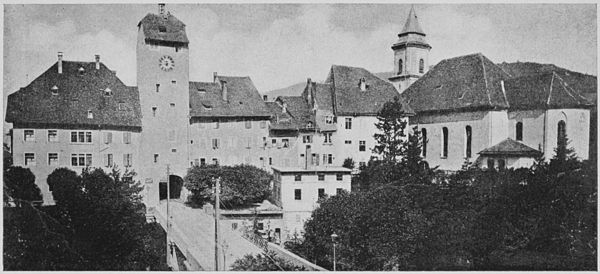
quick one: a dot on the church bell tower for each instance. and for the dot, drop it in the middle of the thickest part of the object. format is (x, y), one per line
(411, 54)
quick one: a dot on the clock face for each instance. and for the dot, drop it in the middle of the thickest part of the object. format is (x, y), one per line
(166, 63)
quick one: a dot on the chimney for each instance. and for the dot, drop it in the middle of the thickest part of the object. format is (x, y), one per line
(97, 61)
(362, 84)
(161, 8)
(224, 90)
(60, 59)
(215, 75)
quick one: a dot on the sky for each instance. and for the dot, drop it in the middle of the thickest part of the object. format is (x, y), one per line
(280, 45)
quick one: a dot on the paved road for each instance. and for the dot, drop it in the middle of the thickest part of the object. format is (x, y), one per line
(193, 231)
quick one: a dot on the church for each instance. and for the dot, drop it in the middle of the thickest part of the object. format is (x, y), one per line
(78, 114)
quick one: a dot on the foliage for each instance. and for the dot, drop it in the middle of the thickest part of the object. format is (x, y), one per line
(348, 163)
(391, 123)
(19, 184)
(7, 157)
(240, 184)
(267, 261)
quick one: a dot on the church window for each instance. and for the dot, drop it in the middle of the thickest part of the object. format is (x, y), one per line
(424, 140)
(561, 140)
(468, 139)
(421, 66)
(400, 66)
(444, 142)
(519, 133)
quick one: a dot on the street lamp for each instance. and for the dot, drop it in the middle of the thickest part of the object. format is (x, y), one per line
(334, 240)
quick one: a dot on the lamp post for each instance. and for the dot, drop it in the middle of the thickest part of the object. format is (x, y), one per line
(334, 240)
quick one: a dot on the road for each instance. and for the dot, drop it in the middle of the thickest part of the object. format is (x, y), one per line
(193, 231)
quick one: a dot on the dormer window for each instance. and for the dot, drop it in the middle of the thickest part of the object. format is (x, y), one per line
(108, 92)
(81, 70)
(162, 29)
(201, 90)
(54, 90)
(309, 125)
(90, 115)
(122, 106)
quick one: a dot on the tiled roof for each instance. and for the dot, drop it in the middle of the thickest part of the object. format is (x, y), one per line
(280, 120)
(78, 91)
(243, 100)
(412, 24)
(173, 30)
(583, 83)
(321, 93)
(300, 111)
(462, 83)
(349, 99)
(510, 147)
(542, 91)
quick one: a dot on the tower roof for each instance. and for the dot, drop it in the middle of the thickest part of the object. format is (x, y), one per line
(412, 24)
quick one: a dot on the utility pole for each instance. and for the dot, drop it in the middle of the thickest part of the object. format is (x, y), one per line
(168, 219)
(217, 205)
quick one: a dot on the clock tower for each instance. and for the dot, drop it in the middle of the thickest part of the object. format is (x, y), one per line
(411, 54)
(163, 83)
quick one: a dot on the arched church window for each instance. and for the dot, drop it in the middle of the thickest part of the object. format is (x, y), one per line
(421, 66)
(424, 140)
(468, 138)
(444, 142)
(561, 140)
(400, 66)
(519, 133)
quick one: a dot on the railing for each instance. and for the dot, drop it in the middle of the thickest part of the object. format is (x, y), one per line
(257, 240)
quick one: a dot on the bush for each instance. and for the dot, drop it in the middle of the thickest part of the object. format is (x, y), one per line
(19, 183)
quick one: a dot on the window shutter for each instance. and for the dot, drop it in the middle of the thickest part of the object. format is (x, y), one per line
(105, 137)
(125, 159)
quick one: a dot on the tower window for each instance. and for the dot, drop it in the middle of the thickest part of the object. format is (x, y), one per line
(468, 133)
(400, 66)
(421, 66)
(519, 133)
(444, 142)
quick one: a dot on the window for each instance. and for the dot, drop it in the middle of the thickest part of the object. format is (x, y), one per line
(52, 159)
(262, 161)
(196, 162)
(30, 159)
(468, 137)
(501, 164)
(28, 135)
(107, 137)
(156, 158)
(126, 137)
(263, 124)
(298, 177)
(162, 29)
(172, 105)
(54, 90)
(424, 140)
(202, 161)
(81, 136)
(338, 191)
(216, 124)
(519, 133)
(307, 139)
(490, 163)
(362, 164)
(328, 120)
(153, 111)
(421, 66)
(127, 160)
(108, 160)
(215, 161)
(122, 106)
(327, 138)
(348, 142)
(52, 135)
(339, 177)
(286, 142)
(400, 66)
(270, 161)
(297, 194)
(315, 159)
(328, 159)
(444, 142)
(157, 87)
(248, 124)
(215, 143)
(321, 192)
(362, 146)
(81, 159)
(321, 177)
(348, 123)
(309, 125)
(90, 115)
(260, 226)
(273, 142)
(174, 82)
(561, 137)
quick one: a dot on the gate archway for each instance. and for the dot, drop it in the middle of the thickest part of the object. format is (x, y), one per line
(175, 186)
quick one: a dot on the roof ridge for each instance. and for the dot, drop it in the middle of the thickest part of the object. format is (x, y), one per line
(550, 92)
(487, 90)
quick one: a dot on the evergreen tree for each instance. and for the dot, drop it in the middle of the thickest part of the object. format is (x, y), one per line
(392, 121)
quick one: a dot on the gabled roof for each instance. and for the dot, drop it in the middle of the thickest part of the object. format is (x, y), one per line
(280, 120)
(300, 111)
(77, 93)
(583, 83)
(412, 24)
(174, 30)
(542, 91)
(470, 82)
(349, 99)
(321, 93)
(510, 147)
(243, 100)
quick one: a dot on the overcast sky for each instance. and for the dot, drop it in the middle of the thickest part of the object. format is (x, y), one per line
(279, 45)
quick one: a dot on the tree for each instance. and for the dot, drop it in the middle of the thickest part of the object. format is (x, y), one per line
(267, 261)
(392, 121)
(348, 163)
(19, 184)
(240, 185)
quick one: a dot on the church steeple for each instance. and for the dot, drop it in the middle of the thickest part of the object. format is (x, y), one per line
(411, 53)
